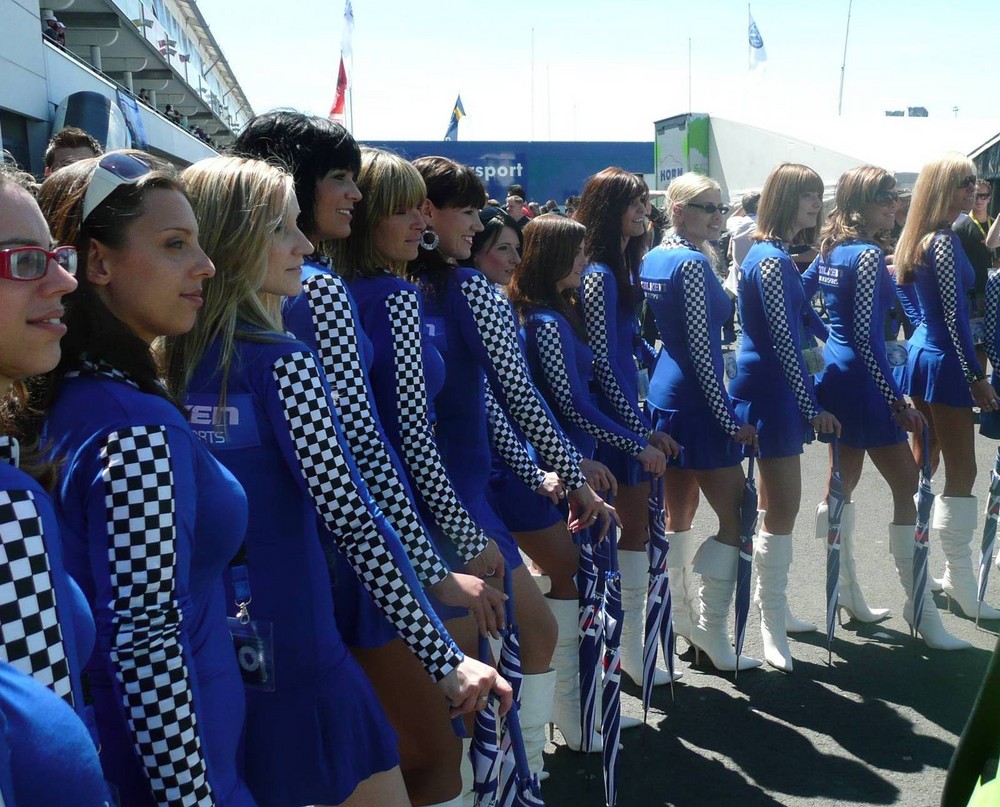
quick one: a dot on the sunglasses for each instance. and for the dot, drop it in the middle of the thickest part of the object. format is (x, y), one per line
(986, 195)
(31, 263)
(887, 197)
(710, 208)
(968, 182)
(113, 171)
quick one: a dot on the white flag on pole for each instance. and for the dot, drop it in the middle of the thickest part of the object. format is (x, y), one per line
(757, 53)
(345, 40)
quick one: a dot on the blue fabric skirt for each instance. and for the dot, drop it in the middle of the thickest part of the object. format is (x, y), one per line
(706, 445)
(626, 468)
(519, 507)
(866, 420)
(936, 377)
(781, 431)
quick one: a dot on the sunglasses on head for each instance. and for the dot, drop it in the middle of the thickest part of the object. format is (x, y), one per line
(887, 197)
(31, 263)
(968, 182)
(710, 208)
(113, 171)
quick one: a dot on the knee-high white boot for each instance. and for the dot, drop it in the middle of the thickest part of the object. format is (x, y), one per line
(772, 556)
(537, 692)
(634, 567)
(716, 563)
(931, 629)
(956, 518)
(851, 599)
(683, 585)
(566, 661)
(792, 623)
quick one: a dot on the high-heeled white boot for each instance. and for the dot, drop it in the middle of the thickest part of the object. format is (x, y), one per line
(566, 661)
(955, 518)
(772, 556)
(537, 693)
(683, 586)
(931, 629)
(634, 568)
(716, 563)
(792, 623)
(851, 598)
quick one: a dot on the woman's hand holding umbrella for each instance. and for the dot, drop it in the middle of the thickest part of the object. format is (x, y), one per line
(488, 563)
(587, 510)
(653, 460)
(826, 423)
(483, 601)
(552, 488)
(599, 476)
(667, 444)
(746, 435)
(468, 688)
(910, 419)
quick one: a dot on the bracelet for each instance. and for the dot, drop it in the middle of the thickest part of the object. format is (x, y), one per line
(901, 406)
(975, 376)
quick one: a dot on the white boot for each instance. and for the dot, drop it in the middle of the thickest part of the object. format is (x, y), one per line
(931, 628)
(792, 623)
(772, 556)
(716, 563)
(634, 567)
(851, 599)
(566, 661)
(956, 518)
(537, 692)
(683, 586)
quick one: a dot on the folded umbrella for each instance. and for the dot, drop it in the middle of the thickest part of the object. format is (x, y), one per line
(485, 749)
(659, 626)
(612, 686)
(510, 668)
(744, 565)
(989, 533)
(588, 590)
(925, 500)
(835, 501)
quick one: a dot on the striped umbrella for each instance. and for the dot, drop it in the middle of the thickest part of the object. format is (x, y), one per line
(989, 533)
(925, 500)
(589, 590)
(744, 566)
(835, 501)
(510, 668)
(659, 621)
(485, 751)
(611, 692)
(522, 789)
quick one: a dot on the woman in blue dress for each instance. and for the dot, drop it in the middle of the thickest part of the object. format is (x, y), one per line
(688, 400)
(47, 755)
(613, 209)
(943, 375)
(151, 520)
(857, 384)
(773, 389)
(281, 438)
(325, 162)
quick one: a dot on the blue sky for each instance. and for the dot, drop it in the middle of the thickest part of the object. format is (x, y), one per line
(606, 71)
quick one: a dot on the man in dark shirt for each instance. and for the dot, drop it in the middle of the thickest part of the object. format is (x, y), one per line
(971, 231)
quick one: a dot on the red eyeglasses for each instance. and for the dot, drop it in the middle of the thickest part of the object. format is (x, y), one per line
(31, 263)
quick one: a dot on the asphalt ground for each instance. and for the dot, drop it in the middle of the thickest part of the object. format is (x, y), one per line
(877, 727)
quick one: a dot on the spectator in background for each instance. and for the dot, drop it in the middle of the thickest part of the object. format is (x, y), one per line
(571, 203)
(67, 146)
(552, 206)
(535, 209)
(144, 95)
(517, 211)
(53, 29)
(525, 213)
(971, 231)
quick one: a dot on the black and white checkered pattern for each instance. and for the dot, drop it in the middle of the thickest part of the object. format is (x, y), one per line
(990, 318)
(945, 271)
(30, 637)
(867, 333)
(312, 429)
(595, 317)
(498, 331)
(341, 354)
(700, 347)
(509, 446)
(786, 346)
(146, 649)
(420, 452)
(552, 356)
(10, 450)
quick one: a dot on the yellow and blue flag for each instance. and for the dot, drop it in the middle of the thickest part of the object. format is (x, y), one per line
(456, 115)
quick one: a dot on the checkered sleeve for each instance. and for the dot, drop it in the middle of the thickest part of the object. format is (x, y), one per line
(783, 338)
(600, 317)
(700, 348)
(492, 331)
(137, 474)
(991, 320)
(509, 446)
(336, 330)
(953, 304)
(556, 356)
(868, 340)
(420, 452)
(30, 637)
(313, 436)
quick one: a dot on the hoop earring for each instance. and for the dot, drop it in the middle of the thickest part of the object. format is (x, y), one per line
(429, 239)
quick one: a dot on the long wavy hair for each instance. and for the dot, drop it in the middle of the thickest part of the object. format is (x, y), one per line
(388, 184)
(931, 209)
(605, 198)
(856, 189)
(550, 246)
(682, 190)
(239, 204)
(779, 203)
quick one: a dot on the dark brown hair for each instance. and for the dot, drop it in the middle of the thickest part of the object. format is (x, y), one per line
(856, 189)
(70, 138)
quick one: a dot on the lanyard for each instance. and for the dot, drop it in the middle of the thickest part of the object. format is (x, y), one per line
(989, 221)
(240, 576)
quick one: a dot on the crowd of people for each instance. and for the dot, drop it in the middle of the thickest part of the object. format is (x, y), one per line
(280, 429)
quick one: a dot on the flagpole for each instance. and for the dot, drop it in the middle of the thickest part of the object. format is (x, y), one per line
(689, 75)
(843, 64)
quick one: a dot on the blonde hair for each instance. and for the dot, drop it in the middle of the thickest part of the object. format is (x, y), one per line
(682, 190)
(931, 209)
(239, 204)
(856, 189)
(779, 203)
(388, 184)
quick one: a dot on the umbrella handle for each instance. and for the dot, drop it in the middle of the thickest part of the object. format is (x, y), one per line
(835, 447)
(925, 441)
(508, 589)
